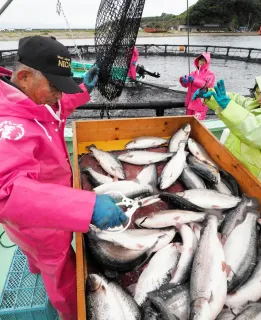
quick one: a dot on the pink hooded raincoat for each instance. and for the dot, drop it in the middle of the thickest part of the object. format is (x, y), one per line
(39, 209)
(202, 77)
(132, 69)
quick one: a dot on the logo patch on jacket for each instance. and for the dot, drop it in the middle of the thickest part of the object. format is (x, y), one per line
(11, 131)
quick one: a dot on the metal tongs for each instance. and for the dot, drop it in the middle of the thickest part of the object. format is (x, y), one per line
(132, 206)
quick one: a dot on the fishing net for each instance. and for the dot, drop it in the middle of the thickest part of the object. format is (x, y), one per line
(116, 30)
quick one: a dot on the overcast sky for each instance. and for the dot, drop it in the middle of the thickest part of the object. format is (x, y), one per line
(80, 13)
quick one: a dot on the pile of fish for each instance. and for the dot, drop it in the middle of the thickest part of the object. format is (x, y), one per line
(200, 259)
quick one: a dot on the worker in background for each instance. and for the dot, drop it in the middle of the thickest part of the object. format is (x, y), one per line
(242, 116)
(200, 78)
(134, 59)
(39, 209)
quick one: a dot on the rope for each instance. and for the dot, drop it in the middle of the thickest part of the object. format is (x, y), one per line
(59, 10)
(188, 35)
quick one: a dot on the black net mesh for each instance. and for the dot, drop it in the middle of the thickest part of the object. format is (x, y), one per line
(116, 30)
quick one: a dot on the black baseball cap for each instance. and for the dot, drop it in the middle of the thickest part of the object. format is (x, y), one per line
(52, 58)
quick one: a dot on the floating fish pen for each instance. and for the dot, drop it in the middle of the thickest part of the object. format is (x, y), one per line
(218, 52)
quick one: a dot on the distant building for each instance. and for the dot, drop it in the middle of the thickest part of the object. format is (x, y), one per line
(184, 27)
(207, 27)
(212, 25)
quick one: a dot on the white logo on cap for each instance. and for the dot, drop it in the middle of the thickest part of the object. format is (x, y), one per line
(11, 131)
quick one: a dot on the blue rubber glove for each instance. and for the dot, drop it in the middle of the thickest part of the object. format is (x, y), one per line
(202, 93)
(106, 213)
(191, 79)
(220, 94)
(184, 79)
(90, 78)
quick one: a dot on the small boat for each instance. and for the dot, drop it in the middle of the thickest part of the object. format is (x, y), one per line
(155, 30)
(79, 69)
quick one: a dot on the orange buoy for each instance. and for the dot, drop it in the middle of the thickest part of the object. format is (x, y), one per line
(181, 48)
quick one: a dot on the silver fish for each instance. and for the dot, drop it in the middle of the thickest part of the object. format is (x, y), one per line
(208, 282)
(175, 202)
(144, 157)
(181, 273)
(145, 183)
(139, 239)
(204, 170)
(181, 135)
(173, 168)
(130, 308)
(226, 314)
(157, 272)
(95, 177)
(148, 175)
(168, 218)
(209, 199)
(196, 228)
(236, 216)
(101, 302)
(253, 312)
(230, 182)
(145, 142)
(149, 312)
(113, 257)
(129, 188)
(190, 179)
(173, 299)
(108, 162)
(250, 291)
(222, 188)
(241, 251)
(200, 153)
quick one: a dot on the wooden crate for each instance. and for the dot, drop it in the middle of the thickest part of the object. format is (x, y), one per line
(114, 134)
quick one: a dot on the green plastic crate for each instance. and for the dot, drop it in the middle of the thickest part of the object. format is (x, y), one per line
(24, 296)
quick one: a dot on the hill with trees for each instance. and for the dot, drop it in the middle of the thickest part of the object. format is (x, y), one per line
(230, 14)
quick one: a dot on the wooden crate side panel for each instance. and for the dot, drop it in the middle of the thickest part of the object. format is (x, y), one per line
(226, 160)
(124, 129)
(81, 267)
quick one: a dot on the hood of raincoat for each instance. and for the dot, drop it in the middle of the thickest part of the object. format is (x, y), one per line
(206, 55)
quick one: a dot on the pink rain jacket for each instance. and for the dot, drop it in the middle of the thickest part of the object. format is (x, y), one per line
(39, 209)
(202, 77)
(132, 69)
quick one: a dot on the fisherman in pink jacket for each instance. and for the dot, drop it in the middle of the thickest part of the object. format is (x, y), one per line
(39, 209)
(134, 59)
(200, 78)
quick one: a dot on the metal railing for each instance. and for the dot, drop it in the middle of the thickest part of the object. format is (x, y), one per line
(222, 52)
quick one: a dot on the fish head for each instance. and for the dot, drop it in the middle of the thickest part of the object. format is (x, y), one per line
(254, 214)
(187, 128)
(95, 283)
(140, 221)
(91, 147)
(200, 309)
(86, 169)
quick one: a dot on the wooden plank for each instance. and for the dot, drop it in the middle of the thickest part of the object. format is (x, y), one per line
(81, 269)
(121, 129)
(226, 160)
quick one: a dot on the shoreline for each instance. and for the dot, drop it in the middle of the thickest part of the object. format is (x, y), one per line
(64, 34)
